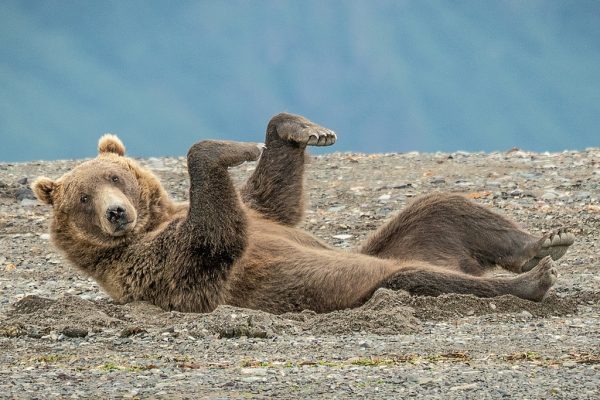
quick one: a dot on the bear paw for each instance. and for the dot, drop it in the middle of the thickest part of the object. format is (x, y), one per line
(554, 244)
(297, 129)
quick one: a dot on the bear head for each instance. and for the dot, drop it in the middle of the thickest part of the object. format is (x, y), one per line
(103, 201)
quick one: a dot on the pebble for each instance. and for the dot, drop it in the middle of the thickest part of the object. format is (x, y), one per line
(74, 332)
(401, 185)
(29, 202)
(254, 371)
(526, 314)
(342, 237)
(468, 386)
(24, 193)
(583, 195)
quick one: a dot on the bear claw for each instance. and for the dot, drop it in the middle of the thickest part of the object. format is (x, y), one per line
(320, 137)
(297, 129)
(554, 244)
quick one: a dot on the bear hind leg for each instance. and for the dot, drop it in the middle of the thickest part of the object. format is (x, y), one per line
(453, 232)
(429, 281)
(276, 187)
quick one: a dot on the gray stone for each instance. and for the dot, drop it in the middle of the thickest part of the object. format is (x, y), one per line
(24, 193)
(549, 196)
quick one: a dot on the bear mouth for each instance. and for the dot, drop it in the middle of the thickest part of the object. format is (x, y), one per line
(122, 228)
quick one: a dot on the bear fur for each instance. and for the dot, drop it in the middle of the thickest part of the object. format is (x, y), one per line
(114, 221)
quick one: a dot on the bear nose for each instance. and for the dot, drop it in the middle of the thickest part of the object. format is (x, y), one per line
(116, 214)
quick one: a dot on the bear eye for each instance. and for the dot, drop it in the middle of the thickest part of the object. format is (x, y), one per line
(84, 198)
(114, 178)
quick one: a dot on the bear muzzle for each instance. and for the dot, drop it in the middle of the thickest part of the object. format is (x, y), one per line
(119, 220)
(119, 216)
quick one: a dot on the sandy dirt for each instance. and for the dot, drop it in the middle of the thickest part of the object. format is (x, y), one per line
(61, 336)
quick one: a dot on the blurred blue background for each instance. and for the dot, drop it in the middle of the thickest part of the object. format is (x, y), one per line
(386, 75)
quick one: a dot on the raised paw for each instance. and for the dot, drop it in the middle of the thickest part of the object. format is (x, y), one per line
(223, 153)
(554, 244)
(297, 129)
(534, 284)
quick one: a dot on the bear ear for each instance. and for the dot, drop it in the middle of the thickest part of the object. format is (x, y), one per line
(110, 143)
(43, 188)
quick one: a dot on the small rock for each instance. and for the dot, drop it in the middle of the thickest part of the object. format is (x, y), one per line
(549, 196)
(254, 371)
(583, 195)
(130, 331)
(252, 379)
(516, 193)
(74, 332)
(529, 175)
(24, 193)
(22, 181)
(424, 381)
(436, 180)
(28, 202)
(342, 237)
(401, 185)
(468, 386)
(526, 314)
(462, 183)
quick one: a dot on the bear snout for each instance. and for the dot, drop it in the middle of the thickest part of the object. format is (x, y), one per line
(119, 219)
(116, 215)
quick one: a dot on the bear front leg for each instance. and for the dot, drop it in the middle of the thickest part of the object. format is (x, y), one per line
(275, 189)
(216, 219)
(194, 255)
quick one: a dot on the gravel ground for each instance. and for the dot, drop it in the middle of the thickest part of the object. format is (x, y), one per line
(61, 337)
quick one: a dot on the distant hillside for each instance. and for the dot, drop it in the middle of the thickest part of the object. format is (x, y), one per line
(386, 75)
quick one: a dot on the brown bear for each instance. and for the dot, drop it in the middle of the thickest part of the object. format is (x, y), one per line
(113, 220)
